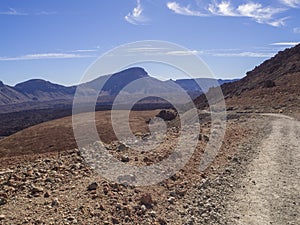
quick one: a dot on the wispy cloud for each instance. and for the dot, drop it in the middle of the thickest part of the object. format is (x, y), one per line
(45, 56)
(13, 12)
(246, 54)
(291, 3)
(184, 10)
(84, 50)
(285, 43)
(265, 52)
(46, 13)
(222, 9)
(136, 17)
(296, 30)
(182, 53)
(256, 11)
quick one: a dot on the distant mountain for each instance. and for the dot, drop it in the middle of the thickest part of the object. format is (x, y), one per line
(273, 85)
(41, 90)
(192, 87)
(132, 82)
(8, 95)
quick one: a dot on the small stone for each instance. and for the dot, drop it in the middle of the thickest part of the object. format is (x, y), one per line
(143, 208)
(92, 186)
(71, 218)
(125, 159)
(55, 202)
(114, 220)
(121, 147)
(171, 200)
(205, 138)
(47, 195)
(161, 221)
(152, 213)
(2, 217)
(35, 191)
(146, 200)
(3, 201)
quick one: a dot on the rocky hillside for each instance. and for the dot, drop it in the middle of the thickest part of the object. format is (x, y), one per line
(274, 85)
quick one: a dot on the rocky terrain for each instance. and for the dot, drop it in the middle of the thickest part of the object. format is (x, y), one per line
(60, 188)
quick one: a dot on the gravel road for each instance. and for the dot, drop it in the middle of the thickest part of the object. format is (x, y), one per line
(270, 190)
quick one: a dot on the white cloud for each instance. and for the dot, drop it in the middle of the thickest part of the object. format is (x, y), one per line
(265, 52)
(46, 13)
(256, 11)
(183, 10)
(246, 54)
(136, 17)
(13, 12)
(182, 53)
(223, 9)
(285, 43)
(45, 56)
(84, 50)
(291, 3)
(296, 30)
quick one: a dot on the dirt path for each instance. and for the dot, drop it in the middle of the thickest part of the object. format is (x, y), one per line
(270, 192)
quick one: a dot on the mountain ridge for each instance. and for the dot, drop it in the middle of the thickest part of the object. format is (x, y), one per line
(32, 93)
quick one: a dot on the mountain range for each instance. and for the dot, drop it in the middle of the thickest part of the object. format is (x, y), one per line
(37, 93)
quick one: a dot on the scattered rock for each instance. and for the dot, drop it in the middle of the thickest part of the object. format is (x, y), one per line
(2, 217)
(167, 115)
(152, 213)
(205, 138)
(114, 220)
(122, 147)
(171, 200)
(92, 186)
(3, 201)
(36, 191)
(146, 200)
(161, 221)
(55, 202)
(47, 194)
(125, 158)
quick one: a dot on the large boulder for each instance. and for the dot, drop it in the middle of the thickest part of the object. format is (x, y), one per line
(167, 115)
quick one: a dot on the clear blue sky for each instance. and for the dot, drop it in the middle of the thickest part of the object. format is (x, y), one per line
(58, 39)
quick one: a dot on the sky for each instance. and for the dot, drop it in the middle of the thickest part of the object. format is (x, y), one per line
(57, 40)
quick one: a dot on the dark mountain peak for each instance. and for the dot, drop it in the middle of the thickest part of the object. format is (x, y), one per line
(118, 81)
(136, 72)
